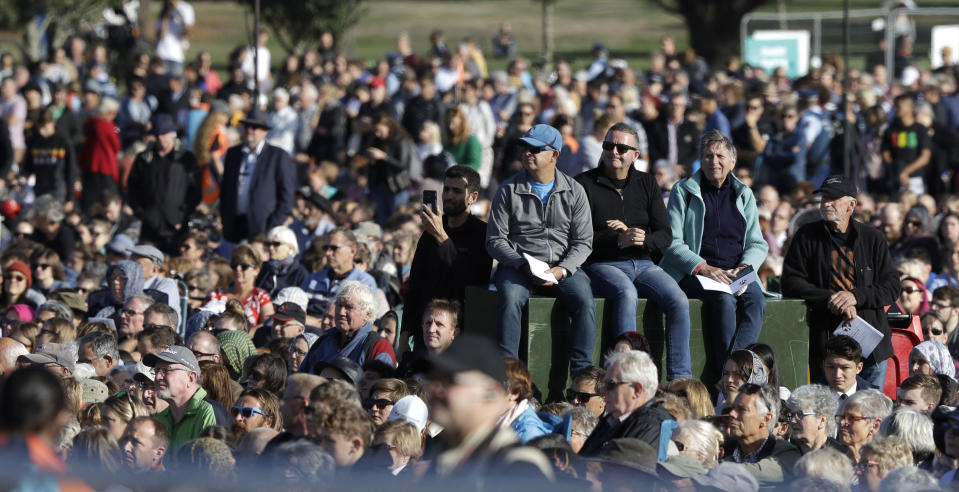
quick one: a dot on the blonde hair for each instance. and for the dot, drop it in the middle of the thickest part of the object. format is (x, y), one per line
(889, 452)
(406, 438)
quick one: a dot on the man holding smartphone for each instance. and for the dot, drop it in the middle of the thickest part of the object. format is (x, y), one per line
(449, 256)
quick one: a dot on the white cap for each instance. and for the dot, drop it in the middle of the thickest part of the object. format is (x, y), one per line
(411, 409)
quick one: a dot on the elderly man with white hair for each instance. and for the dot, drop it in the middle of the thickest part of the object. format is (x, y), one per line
(631, 406)
(352, 335)
(767, 457)
(699, 440)
(915, 429)
(826, 463)
(811, 412)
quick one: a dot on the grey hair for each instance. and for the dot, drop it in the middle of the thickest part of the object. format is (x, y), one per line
(334, 392)
(870, 402)
(108, 105)
(635, 367)
(47, 206)
(769, 398)
(624, 128)
(816, 398)
(102, 343)
(145, 299)
(908, 479)
(59, 310)
(716, 137)
(359, 292)
(583, 421)
(307, 462)
(911, 427)
(705, 439)
(827, 463)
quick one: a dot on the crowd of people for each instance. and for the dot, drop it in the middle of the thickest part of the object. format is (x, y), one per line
(262, 281)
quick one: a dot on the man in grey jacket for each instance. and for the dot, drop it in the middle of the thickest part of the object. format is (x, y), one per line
(545, 214)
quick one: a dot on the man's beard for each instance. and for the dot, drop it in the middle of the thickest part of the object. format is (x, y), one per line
(456, 208)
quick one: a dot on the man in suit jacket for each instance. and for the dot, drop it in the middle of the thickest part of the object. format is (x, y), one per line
(631, 406)
(259, 183)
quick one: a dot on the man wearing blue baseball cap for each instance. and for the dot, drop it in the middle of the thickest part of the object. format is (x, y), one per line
(542, 213)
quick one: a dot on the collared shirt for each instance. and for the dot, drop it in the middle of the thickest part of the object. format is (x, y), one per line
(199, 415)
(321, 287)
(752, 457)
(851, 391)
(247, 169)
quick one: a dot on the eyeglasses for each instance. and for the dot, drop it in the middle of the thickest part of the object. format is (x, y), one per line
(580, 396)
(15, 278)
(43, 266)
(332, 247)
(620, 148)
(198, 354)
(246, 412)
(275, 244)
(850, 419)
(914, 223)
(165, 371)
(940, 305)
(609, 384)
(156, 326)
(191, 288)
(297, 352)
(866, 464)
(130, 312)
(789, 415)
(379, 403)
(680, 446)
(533, 149)
(242, 266)
(910, 290)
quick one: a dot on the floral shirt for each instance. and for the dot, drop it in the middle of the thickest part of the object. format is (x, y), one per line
(252, 305)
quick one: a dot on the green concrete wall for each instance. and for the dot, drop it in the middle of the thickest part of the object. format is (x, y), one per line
(545, 324)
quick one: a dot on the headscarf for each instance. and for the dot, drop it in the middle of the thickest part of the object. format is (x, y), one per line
(237, 346)
(758, 374)
(310, 338)
(938, 357)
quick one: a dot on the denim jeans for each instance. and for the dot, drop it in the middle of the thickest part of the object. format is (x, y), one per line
(875, 374)
(732, 322)
(386, 201)
(622, 283)
(573, 293)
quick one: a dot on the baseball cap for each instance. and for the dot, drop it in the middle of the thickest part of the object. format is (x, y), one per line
(121, 244)
(144, 373)
(411, 409)
(93, 391)
(839, 186)
(73, 300)
(174, 354)
(470, 352)
(295, 295)
(148, 251)
(290, 311)
(544, 136)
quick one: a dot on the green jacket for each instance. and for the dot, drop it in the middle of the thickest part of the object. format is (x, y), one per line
(199, 415)
(469, 152)
(687, 210)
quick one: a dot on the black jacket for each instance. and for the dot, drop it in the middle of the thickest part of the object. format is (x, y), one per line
(687, 142)
(54, 162)
(806, 275)
(163, 191)
(272, 191)
(641, 205)
(444, 271)
(644, 424)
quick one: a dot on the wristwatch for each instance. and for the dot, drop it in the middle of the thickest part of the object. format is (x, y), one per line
(565, 272)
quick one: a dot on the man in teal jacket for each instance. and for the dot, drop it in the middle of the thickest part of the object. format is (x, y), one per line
(716, 235)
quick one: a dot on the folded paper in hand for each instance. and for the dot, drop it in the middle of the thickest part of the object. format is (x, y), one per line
(864, 333)
(746, 276)
(539, 269)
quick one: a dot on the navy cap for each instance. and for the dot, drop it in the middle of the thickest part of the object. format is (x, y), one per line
(838, 186)
(544, 136)
(162, 124)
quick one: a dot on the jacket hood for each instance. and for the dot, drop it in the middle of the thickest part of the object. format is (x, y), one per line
(134, 276)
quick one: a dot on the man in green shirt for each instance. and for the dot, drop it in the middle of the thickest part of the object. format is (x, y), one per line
(178, 383)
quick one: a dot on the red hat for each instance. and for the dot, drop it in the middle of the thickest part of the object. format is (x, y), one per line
(21, 267)
(10, 208)
(378, 82)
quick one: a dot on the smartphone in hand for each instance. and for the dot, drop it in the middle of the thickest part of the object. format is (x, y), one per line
(429, 199)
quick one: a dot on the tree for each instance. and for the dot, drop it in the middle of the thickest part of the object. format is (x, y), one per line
(548, 7)
(56, 18)
(297, 24)
(714, 25)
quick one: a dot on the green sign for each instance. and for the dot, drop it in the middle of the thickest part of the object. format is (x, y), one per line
(774, 49)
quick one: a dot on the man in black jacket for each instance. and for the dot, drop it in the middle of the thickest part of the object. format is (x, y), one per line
(630, 226)
(631, 406)
(164, 187)
(451, 255)
(674, 138)
(842, 269)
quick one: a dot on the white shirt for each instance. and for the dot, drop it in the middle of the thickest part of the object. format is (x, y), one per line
(171, 46)
(851, 391)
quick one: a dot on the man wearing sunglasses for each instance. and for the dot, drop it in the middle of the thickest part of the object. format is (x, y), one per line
(177, 377)
(630, 225)
(322, 286)
(843, 269)
(542, 213)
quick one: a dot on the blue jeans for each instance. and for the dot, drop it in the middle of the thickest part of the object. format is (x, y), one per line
(573, 293)
(732, 322)
(875, 374)
(386, 201)
(622, 283)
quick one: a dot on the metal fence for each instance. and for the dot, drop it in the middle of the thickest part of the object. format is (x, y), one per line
(866, 26)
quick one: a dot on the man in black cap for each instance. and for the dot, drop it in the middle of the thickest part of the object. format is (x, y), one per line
(259, 183)
(289, 321)
(842, 268)
(467, 397)
(164, 187)
(316, 218)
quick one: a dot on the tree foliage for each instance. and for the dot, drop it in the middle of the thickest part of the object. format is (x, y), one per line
(61, 17)
(297, 24)
(714, 25)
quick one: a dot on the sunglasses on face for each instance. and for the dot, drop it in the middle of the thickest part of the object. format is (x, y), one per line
(579, 396)
(935, 332)
(620, 148)
(241, 266)
(533, 149)
(332, 247)
(246, 412)
(43, 266)
(379, 403)
(274, 244)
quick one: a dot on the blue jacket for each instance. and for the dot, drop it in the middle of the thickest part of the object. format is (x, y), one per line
(321, 290)
(529, 426)
(687, 210)
(327, 348)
